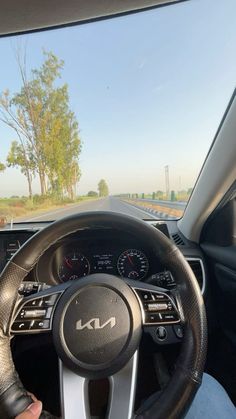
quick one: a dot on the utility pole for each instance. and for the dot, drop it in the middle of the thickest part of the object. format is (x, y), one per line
(167, 179)
(180, 185)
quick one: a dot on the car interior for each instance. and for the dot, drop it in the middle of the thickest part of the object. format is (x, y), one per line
(107, 339)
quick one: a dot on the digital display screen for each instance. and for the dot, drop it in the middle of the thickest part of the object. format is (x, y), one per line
(104, 262)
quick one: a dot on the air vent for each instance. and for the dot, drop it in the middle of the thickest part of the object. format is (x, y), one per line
(177, 239)
(198, 270)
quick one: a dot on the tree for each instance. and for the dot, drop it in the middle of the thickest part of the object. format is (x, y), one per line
(19, 157)
(103, 188)
(2, 167)
(172, 196)
(159, 194)
(46, 127)
(92, 193)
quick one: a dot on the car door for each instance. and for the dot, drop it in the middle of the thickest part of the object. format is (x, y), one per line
(218, 242)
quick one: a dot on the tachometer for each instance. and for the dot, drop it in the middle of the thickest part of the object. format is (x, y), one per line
(73, 266)
(133, 264)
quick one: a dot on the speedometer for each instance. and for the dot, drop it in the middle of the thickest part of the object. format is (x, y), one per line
(73, 266)
(133, 264)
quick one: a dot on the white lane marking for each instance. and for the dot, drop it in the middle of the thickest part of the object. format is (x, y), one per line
(144, 212)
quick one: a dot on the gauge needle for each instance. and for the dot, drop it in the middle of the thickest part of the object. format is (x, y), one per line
(130, 260)
(68, 263)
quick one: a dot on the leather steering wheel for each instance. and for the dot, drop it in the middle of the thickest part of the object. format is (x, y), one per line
(97, 323)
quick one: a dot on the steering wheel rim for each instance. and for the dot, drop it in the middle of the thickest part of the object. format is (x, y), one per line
(176, 398)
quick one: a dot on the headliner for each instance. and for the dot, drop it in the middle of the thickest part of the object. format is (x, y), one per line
(21, 16)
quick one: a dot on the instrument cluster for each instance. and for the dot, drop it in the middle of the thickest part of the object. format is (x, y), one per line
(99, 251)
(72, 264)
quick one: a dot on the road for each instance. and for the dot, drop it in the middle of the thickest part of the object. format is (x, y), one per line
(103, 204)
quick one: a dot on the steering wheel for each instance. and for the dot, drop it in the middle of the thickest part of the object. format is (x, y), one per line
(97, 323)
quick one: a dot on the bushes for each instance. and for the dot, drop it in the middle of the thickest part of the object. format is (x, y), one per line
(11, 210)
(17, 207)
(40, 199)
(20, 206)
(92, 193)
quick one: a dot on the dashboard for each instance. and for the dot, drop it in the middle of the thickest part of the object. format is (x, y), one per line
(100, 251)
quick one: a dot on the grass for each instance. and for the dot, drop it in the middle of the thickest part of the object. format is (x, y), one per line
(17, 207)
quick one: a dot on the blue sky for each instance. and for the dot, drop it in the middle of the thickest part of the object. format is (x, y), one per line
(148, 89)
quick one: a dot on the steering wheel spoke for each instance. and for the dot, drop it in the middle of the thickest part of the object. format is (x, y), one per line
(34, 314)
(74, 394)
(75, 398)
(123, 386)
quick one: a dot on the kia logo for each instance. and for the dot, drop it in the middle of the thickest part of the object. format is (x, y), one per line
(95, 324)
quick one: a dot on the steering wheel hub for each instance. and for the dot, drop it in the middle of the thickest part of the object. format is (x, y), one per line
(97, 325)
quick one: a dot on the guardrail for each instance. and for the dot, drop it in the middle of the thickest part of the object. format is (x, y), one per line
(161, 209)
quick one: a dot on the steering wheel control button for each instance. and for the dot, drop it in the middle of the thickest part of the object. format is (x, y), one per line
(34, 303)
(161, 309)
(38, 311)
(49, 313)
(158, 297)
(169, 317)
(178, 331)
(40, 324)
(157, 306)
(97, 325)
(49, 300)
(33, 314)
(161, 333)
(21, 326)
(145, 295)
(152, 318)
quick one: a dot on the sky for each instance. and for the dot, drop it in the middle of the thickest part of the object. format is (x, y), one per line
(148, 89)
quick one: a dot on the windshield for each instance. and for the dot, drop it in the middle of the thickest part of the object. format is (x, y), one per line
(113, 115)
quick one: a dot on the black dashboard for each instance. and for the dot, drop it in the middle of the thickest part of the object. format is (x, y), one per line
(100, 251)
(10, 242)
(96, 251)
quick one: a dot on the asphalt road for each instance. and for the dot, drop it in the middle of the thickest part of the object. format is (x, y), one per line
(103, 204)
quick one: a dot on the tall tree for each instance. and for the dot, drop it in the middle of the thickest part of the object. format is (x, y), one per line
(47, 128)
(18, 156)
(103, 188)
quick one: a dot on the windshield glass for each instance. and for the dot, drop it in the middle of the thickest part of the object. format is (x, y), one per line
(113, 115)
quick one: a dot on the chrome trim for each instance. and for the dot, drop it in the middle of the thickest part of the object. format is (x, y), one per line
(197, 259)
(122, 391)
(73, 394)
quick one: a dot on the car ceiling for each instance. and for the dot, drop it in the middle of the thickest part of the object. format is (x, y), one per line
(19, 16)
